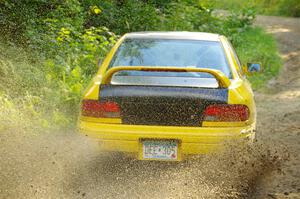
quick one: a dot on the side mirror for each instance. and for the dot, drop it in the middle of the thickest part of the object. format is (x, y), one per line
(253, 67)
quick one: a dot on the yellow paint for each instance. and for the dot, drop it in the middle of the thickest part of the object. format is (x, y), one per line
(114, 136)
(224, 124)
(194, 140)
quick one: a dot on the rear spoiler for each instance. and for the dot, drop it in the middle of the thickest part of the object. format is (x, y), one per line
(223, 81)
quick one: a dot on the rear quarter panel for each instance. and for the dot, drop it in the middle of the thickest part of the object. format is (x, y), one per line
(92, 90)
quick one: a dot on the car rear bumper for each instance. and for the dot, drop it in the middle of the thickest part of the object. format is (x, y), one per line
(193, 140)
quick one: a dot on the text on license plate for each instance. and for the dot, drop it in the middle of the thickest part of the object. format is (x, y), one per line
(160, 149)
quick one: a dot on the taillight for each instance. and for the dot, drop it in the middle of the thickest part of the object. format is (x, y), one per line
(94, 108)
(226, 113)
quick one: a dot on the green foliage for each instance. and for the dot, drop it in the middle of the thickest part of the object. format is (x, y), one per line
(71, 70)
(289, 8)
(23, 20)
(123, 16)
(67, 52)
(180, 16)
(27, 101)
(269, 7)
(17, 75)
(259, 47)
(232, 25)
(148, 15)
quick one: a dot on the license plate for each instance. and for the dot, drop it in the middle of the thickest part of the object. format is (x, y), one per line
(160, 149)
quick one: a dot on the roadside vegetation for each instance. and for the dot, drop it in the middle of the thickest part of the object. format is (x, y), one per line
(257, 46)
(49, 49)
(289, 8)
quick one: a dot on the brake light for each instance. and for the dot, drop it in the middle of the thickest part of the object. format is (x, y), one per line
(226, 113)
(94, 108)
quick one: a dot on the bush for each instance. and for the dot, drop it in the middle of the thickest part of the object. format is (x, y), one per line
(123, 16)
(27, 101)
(73, 68)
(289, 8)
(254, 45)
(67, 58)
(268, 7)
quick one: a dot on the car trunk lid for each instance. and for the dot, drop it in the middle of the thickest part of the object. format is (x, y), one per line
(162, 105)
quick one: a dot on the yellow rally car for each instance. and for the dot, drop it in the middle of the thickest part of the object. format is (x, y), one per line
(165, 95)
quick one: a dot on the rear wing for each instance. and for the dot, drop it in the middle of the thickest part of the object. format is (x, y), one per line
(223, 81)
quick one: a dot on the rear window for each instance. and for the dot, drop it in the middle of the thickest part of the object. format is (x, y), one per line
(171, 52)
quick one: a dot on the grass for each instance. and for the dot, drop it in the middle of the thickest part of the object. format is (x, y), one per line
(267, 7)
(27, 100)
(256, 46)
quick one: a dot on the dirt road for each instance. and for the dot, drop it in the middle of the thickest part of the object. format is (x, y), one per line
(66, 165)
(279, 111)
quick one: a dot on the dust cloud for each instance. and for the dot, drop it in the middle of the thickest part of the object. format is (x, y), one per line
(68, 165)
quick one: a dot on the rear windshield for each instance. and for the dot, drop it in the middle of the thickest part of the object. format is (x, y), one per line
(171, 52)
